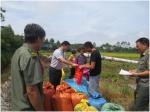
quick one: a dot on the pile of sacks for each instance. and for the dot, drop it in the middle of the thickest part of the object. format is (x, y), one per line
(70, 96)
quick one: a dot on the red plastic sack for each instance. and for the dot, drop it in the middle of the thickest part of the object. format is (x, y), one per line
(49, 91)
(78, 75)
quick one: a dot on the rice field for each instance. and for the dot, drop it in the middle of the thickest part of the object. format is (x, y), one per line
(131, 56)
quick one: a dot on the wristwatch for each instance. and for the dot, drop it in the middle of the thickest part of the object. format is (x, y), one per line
(136, 74)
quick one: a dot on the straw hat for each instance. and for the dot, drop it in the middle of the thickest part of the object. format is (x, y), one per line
(80, 48)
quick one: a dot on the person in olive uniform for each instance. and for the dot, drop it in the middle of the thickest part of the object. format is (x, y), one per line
(26, 72)
(141, 93)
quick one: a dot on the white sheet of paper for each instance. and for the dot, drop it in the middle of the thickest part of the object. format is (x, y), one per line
(124, 72)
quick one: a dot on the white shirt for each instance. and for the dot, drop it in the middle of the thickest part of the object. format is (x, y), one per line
(55, 62)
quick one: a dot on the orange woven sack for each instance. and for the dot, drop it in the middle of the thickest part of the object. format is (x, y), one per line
(48, 90)
(78, 75)
(65, 88)
(70, 90)
(77, 97)
(62, 101)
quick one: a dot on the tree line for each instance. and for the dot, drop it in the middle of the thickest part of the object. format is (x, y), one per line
(118, 47)
(50, 45)
(10, 42)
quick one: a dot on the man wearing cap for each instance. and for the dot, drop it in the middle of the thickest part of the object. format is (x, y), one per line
(141, 94)
(57, 61)
(94, 66)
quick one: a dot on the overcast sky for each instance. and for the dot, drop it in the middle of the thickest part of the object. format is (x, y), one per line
(80, 21)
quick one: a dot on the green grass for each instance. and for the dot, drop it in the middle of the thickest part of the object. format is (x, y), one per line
(46, 76)
(119, 94)
(132, 56)
(43, 51)
(116, 87)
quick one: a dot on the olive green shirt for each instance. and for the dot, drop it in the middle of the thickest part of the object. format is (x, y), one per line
(25, 71)
(143, 65)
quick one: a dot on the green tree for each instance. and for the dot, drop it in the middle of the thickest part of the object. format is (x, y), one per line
(94, 44)
(2, 16)
(9, 43)
(74, 46)
(122, 44)
(128, 44)
(58, 43)
(54, 47)
(46, 41)
(118, 44)
(45, 45)
(51, 41)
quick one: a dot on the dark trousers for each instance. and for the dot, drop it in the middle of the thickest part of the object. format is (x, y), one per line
(72, 72)
(54, 76)
(141, 97)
